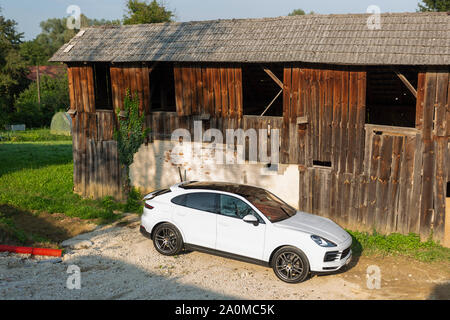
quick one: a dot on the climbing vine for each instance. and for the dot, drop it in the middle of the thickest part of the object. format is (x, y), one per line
(130, 134)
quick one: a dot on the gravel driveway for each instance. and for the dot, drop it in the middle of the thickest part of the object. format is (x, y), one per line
(117, 262)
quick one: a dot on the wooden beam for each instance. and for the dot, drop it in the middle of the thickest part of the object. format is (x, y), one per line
(273, 76)
(270, 104)
(407, 83)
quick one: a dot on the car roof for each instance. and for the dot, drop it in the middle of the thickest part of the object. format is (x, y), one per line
(239, 189)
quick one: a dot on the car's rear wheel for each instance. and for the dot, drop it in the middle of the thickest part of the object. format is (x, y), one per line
(290, 265)
(167, 239)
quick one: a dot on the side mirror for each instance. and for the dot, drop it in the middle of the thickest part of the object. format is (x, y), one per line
(251, 219)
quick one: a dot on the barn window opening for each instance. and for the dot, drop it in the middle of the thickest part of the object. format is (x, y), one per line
(162, 88)
(389, 99)
(102, 87)
(318, 163)
(260, 91)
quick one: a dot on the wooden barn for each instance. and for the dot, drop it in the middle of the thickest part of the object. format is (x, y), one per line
(363, 114)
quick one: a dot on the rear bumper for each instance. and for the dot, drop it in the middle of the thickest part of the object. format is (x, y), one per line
(144, 232)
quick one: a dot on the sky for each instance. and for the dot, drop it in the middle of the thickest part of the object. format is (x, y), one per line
(29, 13)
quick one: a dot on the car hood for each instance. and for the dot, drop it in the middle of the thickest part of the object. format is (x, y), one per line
(313, 224)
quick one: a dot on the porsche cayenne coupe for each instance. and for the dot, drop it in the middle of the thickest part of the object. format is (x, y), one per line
(245, 223)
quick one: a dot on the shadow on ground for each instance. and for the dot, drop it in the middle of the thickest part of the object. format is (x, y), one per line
(100, 278)
(440, 292)
(21, 227)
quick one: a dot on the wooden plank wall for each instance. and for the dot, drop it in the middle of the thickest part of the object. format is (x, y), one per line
(208, 89)
(136, 78)
(333, 102)
(96, 165)
(81, 88)
(433, 120)
(389, 178)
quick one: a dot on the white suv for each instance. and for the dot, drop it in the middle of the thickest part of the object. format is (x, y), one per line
(245, 223)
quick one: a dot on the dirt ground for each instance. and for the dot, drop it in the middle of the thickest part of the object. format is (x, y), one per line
(42, 229)
(120, 263)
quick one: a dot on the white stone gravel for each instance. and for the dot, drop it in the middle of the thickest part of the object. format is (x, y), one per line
(120, 263)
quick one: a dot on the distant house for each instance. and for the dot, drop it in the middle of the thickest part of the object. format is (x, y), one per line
(52, 71)
(363, 114)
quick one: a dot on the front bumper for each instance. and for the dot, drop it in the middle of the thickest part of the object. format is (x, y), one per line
(342, 259)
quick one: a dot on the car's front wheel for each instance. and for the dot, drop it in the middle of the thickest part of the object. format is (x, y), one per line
(290, 265)
(167, 239)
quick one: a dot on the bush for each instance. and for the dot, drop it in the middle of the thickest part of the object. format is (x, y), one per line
(54, 98)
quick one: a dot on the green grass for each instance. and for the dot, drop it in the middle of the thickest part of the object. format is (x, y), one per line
(409, 245)
(42, 134)
(37, 177)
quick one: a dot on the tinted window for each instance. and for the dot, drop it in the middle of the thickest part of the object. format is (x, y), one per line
(202, 201)
(236, 208)
(271, 206)
(180, 200)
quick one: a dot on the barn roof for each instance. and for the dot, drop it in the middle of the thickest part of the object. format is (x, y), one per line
(404, 39)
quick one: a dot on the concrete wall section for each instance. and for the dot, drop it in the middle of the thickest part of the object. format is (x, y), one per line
(157, 165)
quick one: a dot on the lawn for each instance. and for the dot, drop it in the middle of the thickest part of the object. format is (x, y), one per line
(36, 180)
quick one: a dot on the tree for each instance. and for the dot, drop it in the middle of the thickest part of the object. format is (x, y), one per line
(435, 5)
(297, 12)
(13, 68)
(54, 34)
(139, 12)
(54, 98)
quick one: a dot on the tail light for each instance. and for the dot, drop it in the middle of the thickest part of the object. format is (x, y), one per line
(148, 206)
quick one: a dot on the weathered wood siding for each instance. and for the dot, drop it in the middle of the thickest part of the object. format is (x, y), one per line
(133, 77)
(389, 178)
(330, 105)
(96, 169)
(208, 89)
(433, 120)
(81, 88)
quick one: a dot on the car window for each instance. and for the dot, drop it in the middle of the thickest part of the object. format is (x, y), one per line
(204, 201)
(236, 208)
(179, 200)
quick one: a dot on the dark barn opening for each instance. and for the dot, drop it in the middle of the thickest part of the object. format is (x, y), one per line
(102, 86)
(389, 101)
(259, 90)
(162, 88)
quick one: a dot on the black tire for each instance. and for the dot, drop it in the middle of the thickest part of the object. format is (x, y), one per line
(290, 265)
(167, 239)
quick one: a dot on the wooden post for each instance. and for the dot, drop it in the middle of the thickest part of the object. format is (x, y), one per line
(38, 84)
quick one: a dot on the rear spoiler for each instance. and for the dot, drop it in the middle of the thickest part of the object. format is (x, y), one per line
(180, 184)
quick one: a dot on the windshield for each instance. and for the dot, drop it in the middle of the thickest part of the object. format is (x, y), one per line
(270, 205)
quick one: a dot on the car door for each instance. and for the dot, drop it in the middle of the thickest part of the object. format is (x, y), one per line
(196, 216)
(236, 236)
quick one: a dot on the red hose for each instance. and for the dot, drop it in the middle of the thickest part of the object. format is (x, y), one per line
(33, 251)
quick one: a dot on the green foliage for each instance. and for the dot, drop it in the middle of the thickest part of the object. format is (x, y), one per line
(139, 12)
(134, 201)
(42, 134)
(297, 12)
(130, 135)
(398, 244)
(54, 98)
(435, 5)
(38, 177)
(13, 68)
